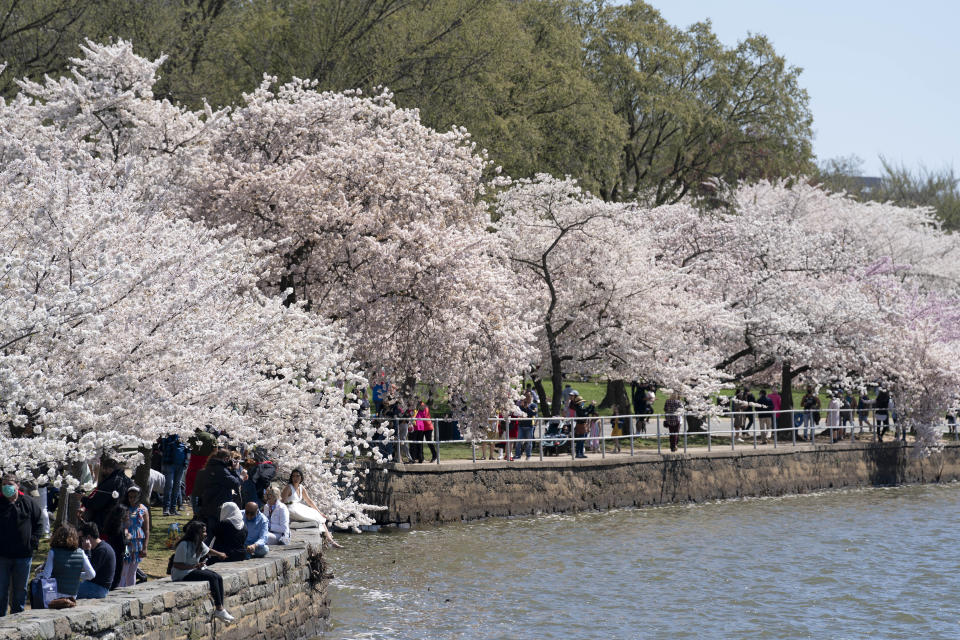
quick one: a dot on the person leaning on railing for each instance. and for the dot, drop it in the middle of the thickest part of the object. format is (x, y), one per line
(581, 411)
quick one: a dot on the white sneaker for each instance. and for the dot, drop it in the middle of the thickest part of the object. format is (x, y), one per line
(224, 615)
(499, 456)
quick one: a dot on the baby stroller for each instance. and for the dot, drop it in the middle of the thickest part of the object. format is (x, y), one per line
(556, 439)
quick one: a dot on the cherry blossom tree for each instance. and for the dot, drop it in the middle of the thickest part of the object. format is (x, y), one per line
(380, 224)
(122, 320)
(377, 222)
(604, 302)
(800, 269)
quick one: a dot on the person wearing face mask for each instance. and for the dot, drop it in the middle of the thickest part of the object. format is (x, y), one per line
(20, 529)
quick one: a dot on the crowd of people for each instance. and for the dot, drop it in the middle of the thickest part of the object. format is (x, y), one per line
(512, 434)
(237, 513)
(842, 411)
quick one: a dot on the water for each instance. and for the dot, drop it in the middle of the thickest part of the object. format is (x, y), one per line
(871, 563)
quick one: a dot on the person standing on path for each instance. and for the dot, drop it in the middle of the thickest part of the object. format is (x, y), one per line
(777, 403)
(672, 408)
(110, 492)
(173, 464)
(202, 445)
(525, 430)
(881, 415)
(139, 535)
(833, 416)
(423, 432)
(766, 415)
(219, 483)
(20, 532)
(810, 403)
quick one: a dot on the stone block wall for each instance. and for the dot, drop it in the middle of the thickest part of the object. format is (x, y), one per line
(423, 494)
(282, 596)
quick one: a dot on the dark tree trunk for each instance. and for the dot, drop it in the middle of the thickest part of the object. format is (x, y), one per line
(545, 404)
(785, 420)
(556, 377)
(616, 396)
(142, 476)
(68, 507)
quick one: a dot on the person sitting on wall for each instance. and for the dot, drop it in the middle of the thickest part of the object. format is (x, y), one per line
(68, 565)
(188, 564)
(103, 560)
(278, 518)
(257, 527)
(230, 535)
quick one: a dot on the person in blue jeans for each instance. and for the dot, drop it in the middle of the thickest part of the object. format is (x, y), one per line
(103, 559)
(173, 464)
(20, 527)
(525, 432)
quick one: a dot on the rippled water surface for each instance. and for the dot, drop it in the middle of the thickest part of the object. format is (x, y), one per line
(872, 563)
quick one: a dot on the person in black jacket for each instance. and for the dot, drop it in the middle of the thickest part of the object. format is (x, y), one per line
(230, 534)
(113, 486)
(20, 533)
(218, 485)
(104, 561)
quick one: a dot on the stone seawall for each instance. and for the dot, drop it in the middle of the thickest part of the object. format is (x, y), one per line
(280, 597)
(425, 494)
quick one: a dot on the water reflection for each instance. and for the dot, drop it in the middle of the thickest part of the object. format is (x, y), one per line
(845, 564)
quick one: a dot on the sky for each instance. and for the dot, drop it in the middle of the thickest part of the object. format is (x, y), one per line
(883, 76)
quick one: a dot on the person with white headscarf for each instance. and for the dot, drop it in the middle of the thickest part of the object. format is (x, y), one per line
(230, 534)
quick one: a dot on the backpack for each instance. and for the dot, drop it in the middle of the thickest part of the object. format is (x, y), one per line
(262, 476)
(173, 535)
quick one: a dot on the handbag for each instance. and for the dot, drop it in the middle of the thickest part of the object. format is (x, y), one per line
(43, 591)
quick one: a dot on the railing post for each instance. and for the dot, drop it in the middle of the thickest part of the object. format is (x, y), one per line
(756, 423)
(507, 453)
(793, 424)
(396, 433)
(633, 432)
(603, 441)
(683, 417)
(733, 429)
(658, 433)
(540, 427)
(773, 424)
(709, 440)
(436, 439)
(573, 440)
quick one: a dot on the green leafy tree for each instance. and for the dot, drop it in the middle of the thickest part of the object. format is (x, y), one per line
(937, 189)
(695, 110)
(511, 73)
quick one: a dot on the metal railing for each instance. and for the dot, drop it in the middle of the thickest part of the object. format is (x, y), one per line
(558, 435)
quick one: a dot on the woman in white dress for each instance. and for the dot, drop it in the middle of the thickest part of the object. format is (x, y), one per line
(302, 508)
